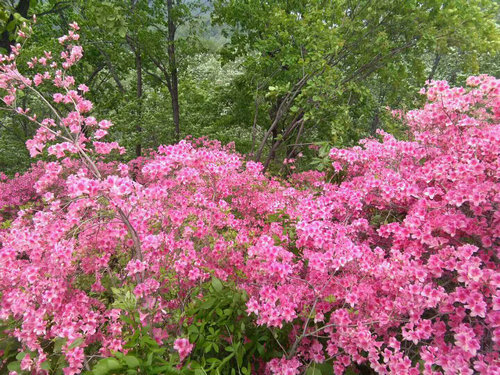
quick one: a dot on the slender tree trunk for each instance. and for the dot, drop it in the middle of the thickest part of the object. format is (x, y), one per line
(174, 92)
(435, 65)
(254, 126)
(138, 68)
(375, 122)
(272, 152)
(285, 134)
(283, 105)
(175, 107)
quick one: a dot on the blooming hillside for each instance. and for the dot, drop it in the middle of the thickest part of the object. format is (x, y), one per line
(194, 261)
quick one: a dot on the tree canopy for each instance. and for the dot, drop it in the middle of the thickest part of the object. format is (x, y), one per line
(272, 76)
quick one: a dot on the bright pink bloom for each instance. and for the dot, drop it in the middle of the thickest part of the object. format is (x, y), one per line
(184, 347)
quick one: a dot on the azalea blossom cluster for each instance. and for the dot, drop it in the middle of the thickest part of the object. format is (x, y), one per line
(18, 190)
(420, 222)
(71, 131)
(396, 267)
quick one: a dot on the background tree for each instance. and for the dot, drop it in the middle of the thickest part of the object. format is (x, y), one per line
(323, 70)
(271, 76)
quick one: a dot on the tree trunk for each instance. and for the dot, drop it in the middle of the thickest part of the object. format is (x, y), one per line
(174, 92)
(138, 68)
(435, 65)
(375, 122)
(175, 106)
(285, 134)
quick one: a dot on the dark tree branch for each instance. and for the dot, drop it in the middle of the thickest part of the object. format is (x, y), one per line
(298, 120)
(94, 74)
(435, 65)
(165, 72)
(368, 68)
(156, 76)
(112, 69)
(282, 110)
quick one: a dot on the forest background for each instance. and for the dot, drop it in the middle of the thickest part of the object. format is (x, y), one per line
(282, 79)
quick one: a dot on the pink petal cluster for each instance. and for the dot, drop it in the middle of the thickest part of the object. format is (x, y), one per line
(184, 347)
(284, 366)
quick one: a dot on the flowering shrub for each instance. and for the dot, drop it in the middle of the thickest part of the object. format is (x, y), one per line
(193, 261)
(407, 245)
(18, 191)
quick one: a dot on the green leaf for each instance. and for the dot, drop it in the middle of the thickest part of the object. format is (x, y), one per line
(20, 356)
(14, 366)
(127, 319)
(122, 32)
(106, 365)
(99, 370)
(164, 370)
(58, 344)
(313, 371)
(273, 217)
(239, 355)
(45, 365)
(260, 349)
(113, 364)
(11, 26)
(131, 361)
(216, 283)
(207, 304)
(76, 343)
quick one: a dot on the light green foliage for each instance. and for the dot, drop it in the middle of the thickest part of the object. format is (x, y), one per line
(225, 338)
(12, 16)
(324, 70)
(14, 156)
(271, 76)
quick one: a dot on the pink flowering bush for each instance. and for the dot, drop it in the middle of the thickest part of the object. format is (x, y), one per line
(18, 191)
(191, 260)
(402, 256)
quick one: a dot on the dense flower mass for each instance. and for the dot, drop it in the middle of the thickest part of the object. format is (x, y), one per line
(394, 267)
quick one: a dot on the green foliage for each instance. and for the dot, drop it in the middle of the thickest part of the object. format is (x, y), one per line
(145, 355)
(10, 22)
(226, 340)
(130, 365)
(325, 70)
(14, 156)
(315, 71)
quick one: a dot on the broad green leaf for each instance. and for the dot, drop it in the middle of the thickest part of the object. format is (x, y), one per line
(216, 283)
(76, 343)
(131, 361)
